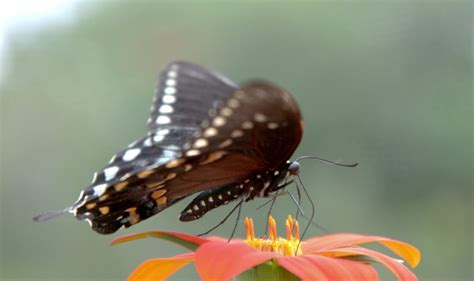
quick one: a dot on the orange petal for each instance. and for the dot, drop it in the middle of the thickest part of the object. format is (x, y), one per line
(398, 269)
(334, 241)
(218, 261)
(160, 269)
(312, 267)
(188, 241)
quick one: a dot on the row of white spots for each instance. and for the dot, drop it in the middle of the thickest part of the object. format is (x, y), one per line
(111, 172)
(168, 98)
(210, 199)
(217, 121)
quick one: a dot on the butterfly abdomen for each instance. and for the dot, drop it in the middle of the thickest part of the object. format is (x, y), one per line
(258, 185)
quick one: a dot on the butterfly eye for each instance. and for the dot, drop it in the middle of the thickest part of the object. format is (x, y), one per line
(294, 168)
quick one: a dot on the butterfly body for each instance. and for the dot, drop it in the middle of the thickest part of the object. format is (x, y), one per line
(261, 184)
(206, 135)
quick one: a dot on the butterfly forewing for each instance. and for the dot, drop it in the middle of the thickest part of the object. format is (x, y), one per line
(186, 93)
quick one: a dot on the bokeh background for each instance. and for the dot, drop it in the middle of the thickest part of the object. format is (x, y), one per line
(386, 84)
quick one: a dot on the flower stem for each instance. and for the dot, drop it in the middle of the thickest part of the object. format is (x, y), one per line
(266, 271)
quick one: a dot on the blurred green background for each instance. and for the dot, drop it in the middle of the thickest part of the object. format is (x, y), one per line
(386, 84)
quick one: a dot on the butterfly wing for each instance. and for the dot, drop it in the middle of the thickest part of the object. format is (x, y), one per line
(186, 94)
(203, 133)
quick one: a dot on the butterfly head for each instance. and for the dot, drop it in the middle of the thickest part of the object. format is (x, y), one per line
(294, 168)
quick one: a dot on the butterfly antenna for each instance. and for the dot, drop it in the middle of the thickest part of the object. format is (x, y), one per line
(49, 215)
(223, 220)
(236, 221)
(327, 161)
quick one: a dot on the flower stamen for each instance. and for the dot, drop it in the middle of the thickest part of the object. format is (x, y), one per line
(290, 246)
(272, 231)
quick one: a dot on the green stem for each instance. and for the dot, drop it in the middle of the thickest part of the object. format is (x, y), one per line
(267, 271)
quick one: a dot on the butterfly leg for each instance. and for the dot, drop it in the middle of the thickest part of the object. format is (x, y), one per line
(224, 219)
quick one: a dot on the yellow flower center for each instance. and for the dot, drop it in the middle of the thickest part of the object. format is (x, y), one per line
(291, 246)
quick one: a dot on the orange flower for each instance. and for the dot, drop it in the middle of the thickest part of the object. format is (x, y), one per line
(330, 257)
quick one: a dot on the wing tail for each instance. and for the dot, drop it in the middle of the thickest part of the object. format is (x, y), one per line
(50, 215)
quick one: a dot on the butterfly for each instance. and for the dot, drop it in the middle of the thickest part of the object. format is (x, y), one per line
(206, 136)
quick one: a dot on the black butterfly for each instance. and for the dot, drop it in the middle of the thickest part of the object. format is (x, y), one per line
(206, 135)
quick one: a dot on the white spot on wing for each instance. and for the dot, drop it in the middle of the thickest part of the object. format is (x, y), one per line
(163, 120)
(112, 159)
(99, 189)
(158, 138)
(169, 99)
(247, 125)
(94, 178)
(172, 74)
(89, 222)
(226, 111)
(236, 134)
(210, 132)
(132, 144)
(233, 103)
(131, 154)
(166, 109)
(147, 142)
(259, 117)
(192, 152)
(110, 172)
(200, 143)
(163, 132)
(272, 125)
(170, 82)
(170, 90)
(225, 143)
(218, 121)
